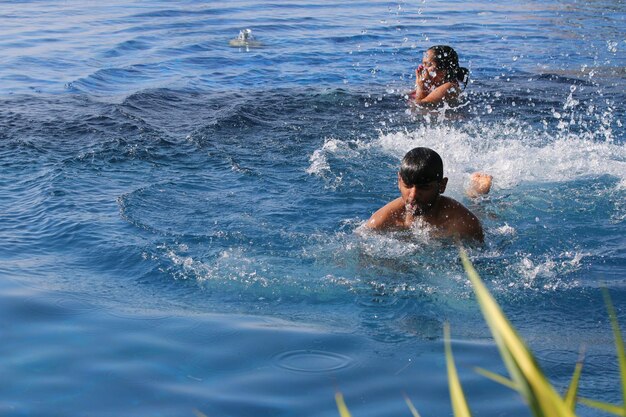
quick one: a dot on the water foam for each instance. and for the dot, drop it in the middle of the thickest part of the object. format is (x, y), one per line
(512, 151)
(333, 147)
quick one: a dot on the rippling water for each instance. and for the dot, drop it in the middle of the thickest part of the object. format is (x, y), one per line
(178, 215)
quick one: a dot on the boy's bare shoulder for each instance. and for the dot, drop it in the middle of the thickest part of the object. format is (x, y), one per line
(460, 220)
(388, 216)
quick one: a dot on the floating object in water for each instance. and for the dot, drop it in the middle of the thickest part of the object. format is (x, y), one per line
(245, 39)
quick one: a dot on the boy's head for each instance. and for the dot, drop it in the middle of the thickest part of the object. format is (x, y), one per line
(421, 166)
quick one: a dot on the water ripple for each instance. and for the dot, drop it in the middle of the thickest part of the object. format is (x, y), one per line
(312, 361)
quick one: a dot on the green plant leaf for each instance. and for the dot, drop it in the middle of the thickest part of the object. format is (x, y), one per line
(572, 391)
(411, 407)
(341, 405)
(497, 378)
(619, 344)
(459, 403)
(618, 410)
(542, 398)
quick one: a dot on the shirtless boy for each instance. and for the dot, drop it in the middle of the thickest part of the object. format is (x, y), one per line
(421, 183)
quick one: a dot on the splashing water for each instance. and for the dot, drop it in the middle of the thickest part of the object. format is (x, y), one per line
(181, 219)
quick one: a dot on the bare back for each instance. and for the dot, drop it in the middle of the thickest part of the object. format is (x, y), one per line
(448, 217)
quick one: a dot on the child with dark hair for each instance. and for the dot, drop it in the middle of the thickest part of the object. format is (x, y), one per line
(438, 79)
(421, 184)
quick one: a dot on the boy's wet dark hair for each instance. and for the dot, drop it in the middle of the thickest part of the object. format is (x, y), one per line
(448, 60)
(421, 166)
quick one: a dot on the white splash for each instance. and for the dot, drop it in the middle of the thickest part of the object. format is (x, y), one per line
(513, 153)
(336, 148)
(505, 230)
(544, 273)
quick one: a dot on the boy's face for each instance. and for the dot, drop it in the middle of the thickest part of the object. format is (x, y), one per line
(419, 199)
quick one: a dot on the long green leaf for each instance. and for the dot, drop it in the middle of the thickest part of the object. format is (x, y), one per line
(619, 344)
(411, 406)
(341, 405)
(497, 378)
(609, 408)
(459, 403)
(572, 391)
(518, 378)
(533, 385)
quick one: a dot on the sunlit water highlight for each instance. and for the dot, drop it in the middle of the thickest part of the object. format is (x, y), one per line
(180, 217)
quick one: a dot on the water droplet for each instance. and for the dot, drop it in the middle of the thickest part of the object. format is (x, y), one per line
(611, 46)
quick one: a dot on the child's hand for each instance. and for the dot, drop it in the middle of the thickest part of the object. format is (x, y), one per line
(480, 183)
(420, 75)
(419, 72)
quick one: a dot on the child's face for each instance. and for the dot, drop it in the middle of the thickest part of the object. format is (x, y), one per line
(430, 65)
(419, 199)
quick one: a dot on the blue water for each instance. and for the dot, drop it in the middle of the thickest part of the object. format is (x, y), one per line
(178, 216)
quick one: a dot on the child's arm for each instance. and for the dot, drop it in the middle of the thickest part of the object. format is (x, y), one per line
(447, 91)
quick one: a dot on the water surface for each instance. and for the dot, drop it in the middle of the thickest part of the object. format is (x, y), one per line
(178, 216)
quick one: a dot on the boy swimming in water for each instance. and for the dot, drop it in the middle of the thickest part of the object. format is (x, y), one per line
(421, 183)
(438, 78)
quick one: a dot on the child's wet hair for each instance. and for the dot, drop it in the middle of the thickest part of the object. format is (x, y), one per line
(421, 166)
(447, 59)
